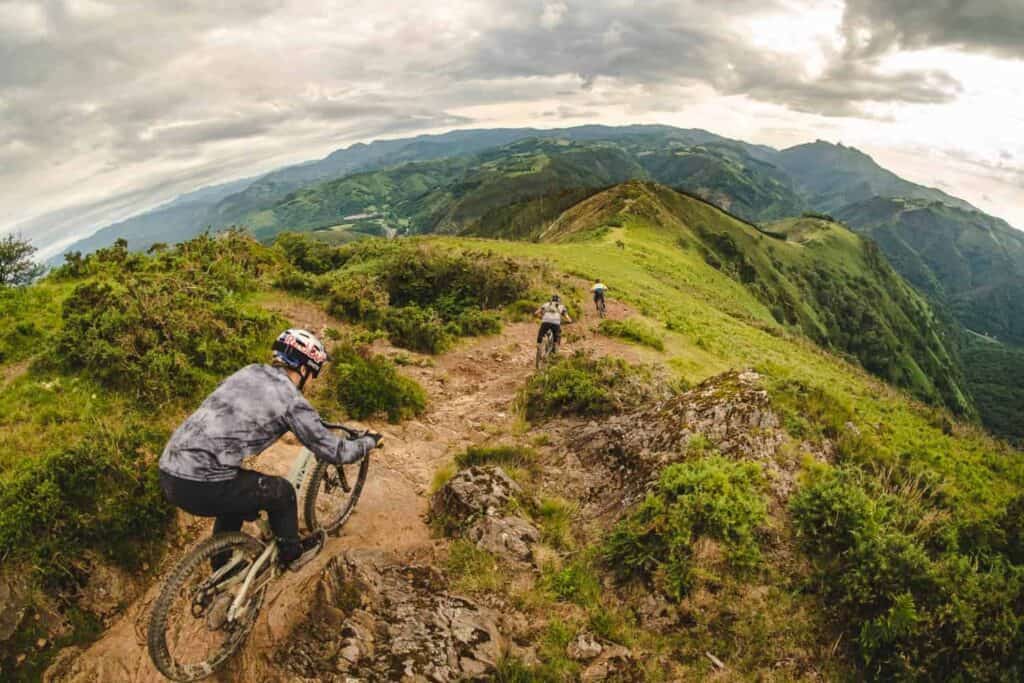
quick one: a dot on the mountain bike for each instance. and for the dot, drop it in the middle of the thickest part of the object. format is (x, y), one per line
(203, 615)
(546, 348)
(600, 307)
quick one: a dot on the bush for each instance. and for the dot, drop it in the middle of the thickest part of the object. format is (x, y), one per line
(474, 323)
(583, 385)
(100, 494)
(913, 612)
(308, 254)
(367, 386)
(169, 331)
(712, 498)
(358, 298)
(633, 331)
(577, 582)
(417, 329)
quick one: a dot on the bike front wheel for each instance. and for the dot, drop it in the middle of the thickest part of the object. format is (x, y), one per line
(333, 493)
(189, 633)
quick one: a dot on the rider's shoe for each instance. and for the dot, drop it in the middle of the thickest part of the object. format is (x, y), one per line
(309, 547)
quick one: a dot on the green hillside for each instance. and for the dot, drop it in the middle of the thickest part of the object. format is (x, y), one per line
(811, 274)
(510, 191)
(877, 535)
(972, 262)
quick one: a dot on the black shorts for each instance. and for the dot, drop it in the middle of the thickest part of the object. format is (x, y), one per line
(555, 328)
(599, 295)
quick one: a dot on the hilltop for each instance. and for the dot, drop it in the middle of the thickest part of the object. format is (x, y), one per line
(750, 459)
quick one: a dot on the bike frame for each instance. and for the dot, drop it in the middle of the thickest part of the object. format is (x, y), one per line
(297, 478)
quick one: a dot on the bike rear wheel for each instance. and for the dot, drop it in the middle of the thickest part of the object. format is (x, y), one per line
(545, 349)
(189, 635)
(333, 493)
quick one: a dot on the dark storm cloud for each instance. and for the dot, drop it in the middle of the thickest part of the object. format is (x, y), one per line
(877, 26)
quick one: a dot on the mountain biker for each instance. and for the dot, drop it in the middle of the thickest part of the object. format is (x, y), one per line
(551, 314)
(598, 289)
(200, 468)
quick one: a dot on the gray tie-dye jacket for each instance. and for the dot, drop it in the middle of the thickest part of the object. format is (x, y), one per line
(248, 412)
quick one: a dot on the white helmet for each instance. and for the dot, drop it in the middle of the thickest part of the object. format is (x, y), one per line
(299, 348)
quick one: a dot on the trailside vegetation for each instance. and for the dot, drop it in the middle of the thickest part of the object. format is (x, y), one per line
(423, 298)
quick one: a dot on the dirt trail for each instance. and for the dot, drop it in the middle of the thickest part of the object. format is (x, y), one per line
(471, 391)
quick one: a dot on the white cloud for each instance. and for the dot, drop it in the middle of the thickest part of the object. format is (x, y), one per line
(554, 12)
(124, 105)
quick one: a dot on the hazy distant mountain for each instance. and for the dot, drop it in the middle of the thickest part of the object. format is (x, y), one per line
(965, 258)
(213, 208)
(833, 176)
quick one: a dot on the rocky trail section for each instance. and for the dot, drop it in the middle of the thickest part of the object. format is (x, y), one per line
(472, 390)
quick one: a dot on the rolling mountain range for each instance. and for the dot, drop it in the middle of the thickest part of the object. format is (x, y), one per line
(513, 183)
(748, 456)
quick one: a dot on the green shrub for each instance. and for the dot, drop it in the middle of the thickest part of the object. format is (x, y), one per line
(914, 609)
(474, 323)
(417, 329)
(451, 280)
(633, 331)
(522, 309)
(171, 325)
(576, 582)
(308, 254)
(100, 494)
(515, 456)
(583, 385)
(713, 498)
(366, 386)
(809, 411)
(359, 298)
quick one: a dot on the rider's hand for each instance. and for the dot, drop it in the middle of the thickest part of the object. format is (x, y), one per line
(377, 438)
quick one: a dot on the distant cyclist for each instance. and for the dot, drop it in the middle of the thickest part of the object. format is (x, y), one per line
(552, 314)
(599, 289)
(201, 468)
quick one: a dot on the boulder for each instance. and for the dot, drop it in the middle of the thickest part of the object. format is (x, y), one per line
(583, 647)
(472, 493)
(509, 537)
(377, 618)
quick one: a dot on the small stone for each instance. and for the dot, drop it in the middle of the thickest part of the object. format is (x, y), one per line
(583, 647)
(41, 643)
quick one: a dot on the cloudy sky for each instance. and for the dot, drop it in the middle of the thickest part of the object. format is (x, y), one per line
(108, 108)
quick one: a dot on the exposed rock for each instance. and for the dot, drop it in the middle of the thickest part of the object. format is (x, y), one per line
(106, 590)
(510, 537)
(614, 663)
(732, 411)
(377, 618)
(473, 493)
(63, 664)
(474, 504)
(14, 605)
(583, 647)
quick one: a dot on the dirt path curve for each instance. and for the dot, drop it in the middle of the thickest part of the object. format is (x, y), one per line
(471, 391)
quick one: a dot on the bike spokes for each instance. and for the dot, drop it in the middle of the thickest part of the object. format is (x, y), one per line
(332, 494)
(192, 630)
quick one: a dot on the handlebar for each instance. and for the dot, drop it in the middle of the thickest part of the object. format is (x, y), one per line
(349, 432)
